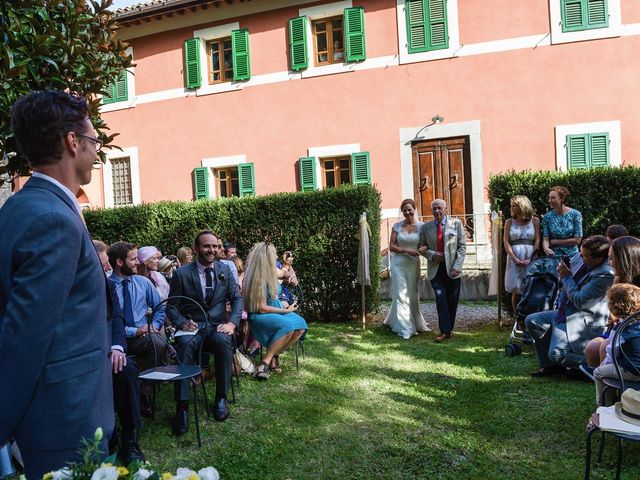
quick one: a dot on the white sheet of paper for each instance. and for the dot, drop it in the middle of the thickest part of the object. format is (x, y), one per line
(611, 422)
(180, 333)
(159, 376)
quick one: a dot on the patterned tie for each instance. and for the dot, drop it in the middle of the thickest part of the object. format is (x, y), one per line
(208, 298)
(128, 308)
(440, 238)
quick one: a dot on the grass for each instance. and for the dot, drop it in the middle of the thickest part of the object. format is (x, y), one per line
(368, 405)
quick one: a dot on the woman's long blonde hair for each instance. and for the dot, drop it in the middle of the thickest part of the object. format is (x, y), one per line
(260, 278)
(524, 204)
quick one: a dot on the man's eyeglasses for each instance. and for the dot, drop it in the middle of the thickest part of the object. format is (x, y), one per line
(98, 143)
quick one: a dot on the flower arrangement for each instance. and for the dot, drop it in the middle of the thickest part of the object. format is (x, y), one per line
(90, 469)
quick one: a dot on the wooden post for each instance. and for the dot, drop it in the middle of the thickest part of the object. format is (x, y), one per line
(500, 270)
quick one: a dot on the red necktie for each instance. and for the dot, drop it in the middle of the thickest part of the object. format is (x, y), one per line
(440, 238)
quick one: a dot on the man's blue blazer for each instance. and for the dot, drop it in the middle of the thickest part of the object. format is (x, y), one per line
(55, 379)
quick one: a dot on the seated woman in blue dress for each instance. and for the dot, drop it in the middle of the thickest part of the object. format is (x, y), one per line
(275, 327)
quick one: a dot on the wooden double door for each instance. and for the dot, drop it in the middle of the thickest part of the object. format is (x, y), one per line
(442, 169)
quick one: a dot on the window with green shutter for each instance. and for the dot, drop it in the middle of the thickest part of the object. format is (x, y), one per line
(354, 34)
(298, 43)
(584, 14)
(192, 63)
(246, 179)
(117, 91)
(360, 168)
(427, 27)
(307, 167)
(589, 150)
(240, 46)
(201, 182)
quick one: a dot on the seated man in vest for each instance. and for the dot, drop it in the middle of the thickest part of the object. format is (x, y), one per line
(560, 336)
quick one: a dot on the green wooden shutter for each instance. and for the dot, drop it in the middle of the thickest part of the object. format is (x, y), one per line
(240, 49)
(427, 27)
(584, 14)
(307, 173)
(599, 149)
(201, 182)
(298, 43)
(577, 152)
(246, 179)
(416, 25)
(354, 34)
(117, 91)
(192, 63)
(360, 168)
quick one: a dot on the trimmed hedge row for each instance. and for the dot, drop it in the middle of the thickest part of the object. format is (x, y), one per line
(604, 196)
(319, 227)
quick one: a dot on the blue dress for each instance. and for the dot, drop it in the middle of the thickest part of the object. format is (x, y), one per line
(562, 226)
(269, 327)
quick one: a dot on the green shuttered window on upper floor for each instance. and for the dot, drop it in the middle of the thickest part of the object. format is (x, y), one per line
(360, 168)
(590, 150)
(298, 43)
(356, 50)
(427, 27)
(584, 14)
(117, 91)
(352, 169)
(193, 64)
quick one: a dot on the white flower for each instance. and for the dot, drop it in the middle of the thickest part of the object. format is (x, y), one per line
(185, 474)
(105, 473)
(142, 474)
(209, 473)
(97, 435)
(62, 474)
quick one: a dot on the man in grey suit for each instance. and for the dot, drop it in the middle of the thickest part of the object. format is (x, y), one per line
(55, 372)
(443, 242)
(211, 286)
(560, 336)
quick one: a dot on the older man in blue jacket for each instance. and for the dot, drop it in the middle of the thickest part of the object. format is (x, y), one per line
(55, 373)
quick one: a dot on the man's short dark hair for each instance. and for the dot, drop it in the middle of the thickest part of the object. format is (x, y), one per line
(597, 245)
(40, 119)
(616, 231)
(119, 250)
(228, 245)
(196, 241)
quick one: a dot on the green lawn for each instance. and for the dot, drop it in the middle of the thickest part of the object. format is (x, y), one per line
(368, 405)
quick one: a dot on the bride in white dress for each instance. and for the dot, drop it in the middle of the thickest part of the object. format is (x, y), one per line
(405, 318)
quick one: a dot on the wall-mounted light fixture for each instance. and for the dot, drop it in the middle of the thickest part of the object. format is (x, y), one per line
(436, 120)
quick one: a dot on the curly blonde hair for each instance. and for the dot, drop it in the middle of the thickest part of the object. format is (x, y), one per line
(623, 299)
(260, 278)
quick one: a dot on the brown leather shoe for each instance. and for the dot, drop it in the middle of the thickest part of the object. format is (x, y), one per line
(442, 337)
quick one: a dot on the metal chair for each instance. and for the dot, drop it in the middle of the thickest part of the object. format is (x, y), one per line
(619, 385)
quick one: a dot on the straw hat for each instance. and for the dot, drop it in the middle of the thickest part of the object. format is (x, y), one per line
(628, 408)
(164, 264)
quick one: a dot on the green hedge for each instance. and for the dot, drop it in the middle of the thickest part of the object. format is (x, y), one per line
(604, 196)
(319, 227)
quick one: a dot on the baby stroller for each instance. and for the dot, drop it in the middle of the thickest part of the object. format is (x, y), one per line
(539, 292)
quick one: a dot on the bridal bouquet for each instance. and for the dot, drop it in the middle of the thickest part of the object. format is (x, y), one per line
(89, 469)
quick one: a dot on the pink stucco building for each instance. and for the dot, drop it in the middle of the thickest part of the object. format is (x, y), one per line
(423, 98)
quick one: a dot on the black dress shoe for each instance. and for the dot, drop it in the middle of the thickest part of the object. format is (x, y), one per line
(131, 452)
(180, 424)
(549, 371)
(220, 410)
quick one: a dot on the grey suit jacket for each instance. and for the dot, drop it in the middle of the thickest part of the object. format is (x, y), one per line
(186, 282)
(55, 376)
(455, 245)
(587, 310)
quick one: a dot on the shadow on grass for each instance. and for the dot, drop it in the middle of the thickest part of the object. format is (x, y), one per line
(370, 405)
